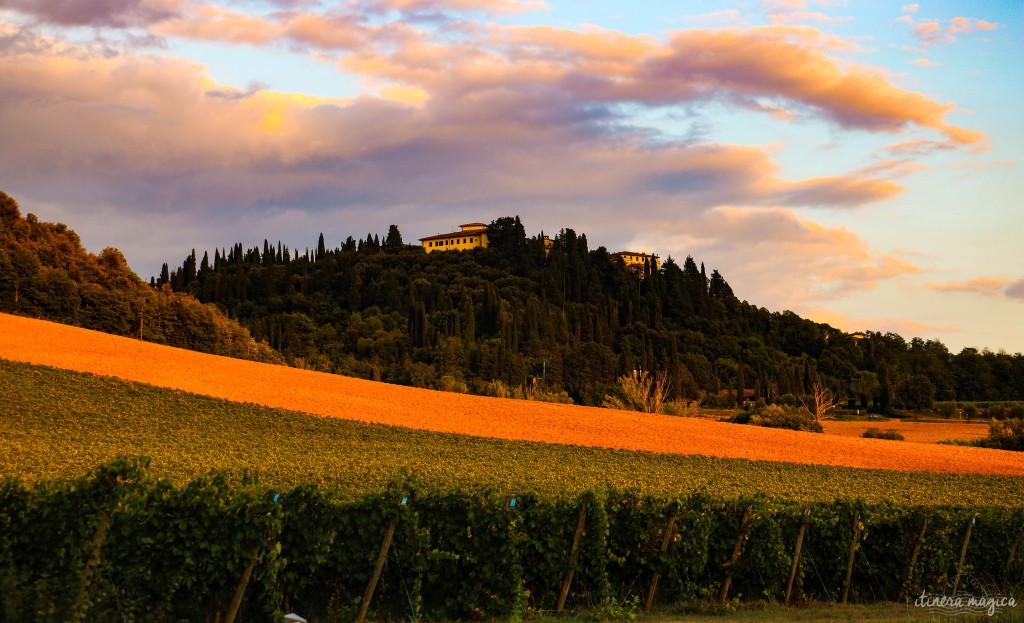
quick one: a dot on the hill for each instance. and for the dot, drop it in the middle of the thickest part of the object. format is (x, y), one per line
(45, 272)
(523, 315)
(318, 393)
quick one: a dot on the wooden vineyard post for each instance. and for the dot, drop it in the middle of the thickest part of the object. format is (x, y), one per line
(91, 563)
(849, 561)
(364, 604)
(1012, 556)
(796, 556)
(736, 551)
(963, 555)
(573, 556)
(908, 578)
(669, 533)
(236, 599)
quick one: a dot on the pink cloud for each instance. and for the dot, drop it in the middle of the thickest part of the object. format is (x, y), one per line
(135, 120)
(919, 147)
(985, 286)
(910, 8)
(113, 13)
(923, 62)
(332, 31)
(487, 6)
(901, 326)
(808, 262)
(934, 33)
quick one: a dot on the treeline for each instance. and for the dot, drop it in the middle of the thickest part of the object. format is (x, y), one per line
(46, 273)
(568, 318)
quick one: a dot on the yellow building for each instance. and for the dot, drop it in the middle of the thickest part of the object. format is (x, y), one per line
(471, 236)
(637, 261)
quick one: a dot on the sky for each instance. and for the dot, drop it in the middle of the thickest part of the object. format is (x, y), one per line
(858, 163)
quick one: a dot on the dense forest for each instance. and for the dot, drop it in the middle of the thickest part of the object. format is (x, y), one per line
(46, 273)
(566, 319)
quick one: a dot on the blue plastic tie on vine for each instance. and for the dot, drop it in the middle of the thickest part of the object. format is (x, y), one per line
(512, 503)
(277, 498)
(973, 519)
(405, 500)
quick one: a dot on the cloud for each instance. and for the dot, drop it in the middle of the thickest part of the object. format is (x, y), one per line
(901, 326)
(985, 286)
(493, 7)
(110, 13)
(839, 191)
(774, 63)
(783, 260)
(139, 121)
(923, 62)
(331, 31)
(919, 147)
(932, 32)
(910, 8)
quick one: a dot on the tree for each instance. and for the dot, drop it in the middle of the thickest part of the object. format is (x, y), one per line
(864, 384)
(9, 212)
(885, 389)
(915, 392)
(820, 402)
(394, 238)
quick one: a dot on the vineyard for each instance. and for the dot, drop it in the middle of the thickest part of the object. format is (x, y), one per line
(57, 423)
(122, 545)
(244, 512)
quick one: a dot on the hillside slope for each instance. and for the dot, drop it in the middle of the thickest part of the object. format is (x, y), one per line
(60, 346)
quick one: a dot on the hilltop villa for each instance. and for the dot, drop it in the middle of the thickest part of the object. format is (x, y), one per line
(471, 236)
(474, 235)
(637, 261)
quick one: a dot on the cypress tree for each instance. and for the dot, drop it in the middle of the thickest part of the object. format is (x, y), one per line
(740, 385)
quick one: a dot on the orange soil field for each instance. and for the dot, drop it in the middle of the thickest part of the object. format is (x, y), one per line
(60, 346)
(919, 432)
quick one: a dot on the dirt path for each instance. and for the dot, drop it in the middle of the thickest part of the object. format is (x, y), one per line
(60, 346)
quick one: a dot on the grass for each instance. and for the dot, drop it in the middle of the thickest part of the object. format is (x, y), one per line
(761, 612)
(57, 423)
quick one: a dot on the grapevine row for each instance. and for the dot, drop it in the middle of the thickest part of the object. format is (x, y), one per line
(120, 544)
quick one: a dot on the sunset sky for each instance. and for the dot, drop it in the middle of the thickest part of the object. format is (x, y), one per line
(859, 163)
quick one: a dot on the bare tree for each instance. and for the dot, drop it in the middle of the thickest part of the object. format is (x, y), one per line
(820, 402)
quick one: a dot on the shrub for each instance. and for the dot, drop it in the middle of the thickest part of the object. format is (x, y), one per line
(496, 389)
(682, 408)
(1005, 435)
(877, 433)
(778, 416)
(639, 392)
(789, 400)
(448, 383)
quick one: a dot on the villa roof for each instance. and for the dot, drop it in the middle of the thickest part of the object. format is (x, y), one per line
(636, 253)
(454, 234)
(473, 225)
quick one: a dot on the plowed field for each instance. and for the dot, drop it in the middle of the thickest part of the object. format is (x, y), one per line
(920, 432)
(61, 346)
